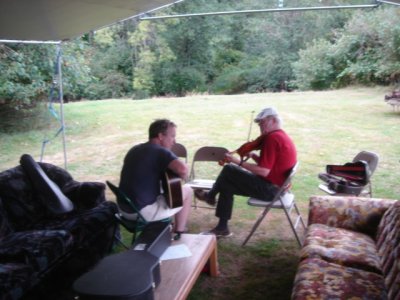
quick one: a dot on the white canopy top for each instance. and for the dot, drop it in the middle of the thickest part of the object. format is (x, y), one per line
(58, 20)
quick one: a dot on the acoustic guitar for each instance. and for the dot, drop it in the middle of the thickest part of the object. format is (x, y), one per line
(172, 186)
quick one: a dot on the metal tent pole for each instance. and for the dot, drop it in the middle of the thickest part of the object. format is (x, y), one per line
(269, 10)
(61, 99)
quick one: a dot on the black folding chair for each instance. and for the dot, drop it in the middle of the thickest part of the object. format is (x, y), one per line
(129, 216)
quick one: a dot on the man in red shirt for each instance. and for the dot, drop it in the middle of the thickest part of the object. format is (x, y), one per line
(260, 179)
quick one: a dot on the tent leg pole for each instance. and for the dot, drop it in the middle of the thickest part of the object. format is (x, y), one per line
(61, 99)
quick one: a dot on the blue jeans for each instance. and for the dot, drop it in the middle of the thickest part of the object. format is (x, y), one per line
(233, 180)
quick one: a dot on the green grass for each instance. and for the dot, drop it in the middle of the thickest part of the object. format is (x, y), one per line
(327, 127)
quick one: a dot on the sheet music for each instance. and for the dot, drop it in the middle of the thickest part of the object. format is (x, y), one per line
(175, 252)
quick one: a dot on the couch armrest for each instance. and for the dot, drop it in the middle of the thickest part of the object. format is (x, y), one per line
(352, 213)
(85, 195)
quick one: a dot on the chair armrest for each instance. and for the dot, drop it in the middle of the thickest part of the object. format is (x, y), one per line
(85, 195)
(352, 213)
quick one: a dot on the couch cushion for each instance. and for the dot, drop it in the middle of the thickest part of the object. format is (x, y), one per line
(57, 174)
(392, 279)
(5, 228)
(15, 279)
(341, 246)
(83, 225)
(85, 195)
(388, 244)
(18, 201)
(389, 232)
(352, 213)
(319, 279)
(39, 248)
(46, 189)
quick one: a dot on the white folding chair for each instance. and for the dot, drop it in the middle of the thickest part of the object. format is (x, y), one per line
(284, 200)
(180, 151)
(372, 159)
(202, 176)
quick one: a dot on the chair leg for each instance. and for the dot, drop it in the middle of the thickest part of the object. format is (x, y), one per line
(294, 226)
(255, 226)
(196, 206)
(121, 242)
(195, 201)
(134, 235)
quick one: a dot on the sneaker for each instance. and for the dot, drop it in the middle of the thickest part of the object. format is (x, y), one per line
(203, 196)
(218, 233)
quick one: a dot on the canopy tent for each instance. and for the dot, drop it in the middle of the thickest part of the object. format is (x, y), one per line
(58, 20)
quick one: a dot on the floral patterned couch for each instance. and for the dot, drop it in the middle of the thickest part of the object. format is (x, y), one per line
(39, 250)
(351, 250)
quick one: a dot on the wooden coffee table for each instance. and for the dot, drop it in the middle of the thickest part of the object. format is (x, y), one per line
(179, 275)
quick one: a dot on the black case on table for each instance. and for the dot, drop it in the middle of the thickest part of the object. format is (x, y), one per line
(130, 275)
(155, 238)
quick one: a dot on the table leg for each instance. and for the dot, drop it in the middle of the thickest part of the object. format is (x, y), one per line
(213, 261)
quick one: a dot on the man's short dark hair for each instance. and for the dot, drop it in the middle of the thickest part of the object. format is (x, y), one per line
(160, 126)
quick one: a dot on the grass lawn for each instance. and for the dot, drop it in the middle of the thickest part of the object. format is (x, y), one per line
(327, 127)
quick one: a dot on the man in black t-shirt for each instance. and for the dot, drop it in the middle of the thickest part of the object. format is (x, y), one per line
(145, 166)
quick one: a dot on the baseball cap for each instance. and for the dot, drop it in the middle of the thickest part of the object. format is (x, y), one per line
(266, 112)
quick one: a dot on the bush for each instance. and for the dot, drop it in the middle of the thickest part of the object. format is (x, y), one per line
(314, 69)
(113, 85)
(184, 80)
(231, 81)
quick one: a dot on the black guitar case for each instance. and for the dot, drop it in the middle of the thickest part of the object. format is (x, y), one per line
(130, 275)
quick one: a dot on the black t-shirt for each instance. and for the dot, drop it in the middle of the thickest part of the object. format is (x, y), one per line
(144, 167)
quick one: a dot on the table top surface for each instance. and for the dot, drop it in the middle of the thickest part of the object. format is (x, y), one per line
(179, 275)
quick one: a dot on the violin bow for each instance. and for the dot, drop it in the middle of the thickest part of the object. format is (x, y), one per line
(251, 125)
(242, 159)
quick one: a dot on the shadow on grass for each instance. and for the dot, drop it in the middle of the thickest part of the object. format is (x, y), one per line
(264, 270)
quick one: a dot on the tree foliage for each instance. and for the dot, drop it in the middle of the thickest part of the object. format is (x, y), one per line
(219, 54)
(364, 51)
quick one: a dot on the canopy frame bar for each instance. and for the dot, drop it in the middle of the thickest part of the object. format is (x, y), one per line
(268, 10)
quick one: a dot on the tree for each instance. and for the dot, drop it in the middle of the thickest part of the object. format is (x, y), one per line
(365, 51)
(314, 70)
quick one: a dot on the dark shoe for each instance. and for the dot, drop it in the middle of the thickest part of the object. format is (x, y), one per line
(218, 233)
(177, 236)
(203, 196)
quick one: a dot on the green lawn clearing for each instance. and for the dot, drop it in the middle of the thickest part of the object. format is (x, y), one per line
(328, 127)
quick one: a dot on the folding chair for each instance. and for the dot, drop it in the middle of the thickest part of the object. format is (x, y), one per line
(207, 155)
(371, 159)
(284, 200)
(129, 216)
(180, 151)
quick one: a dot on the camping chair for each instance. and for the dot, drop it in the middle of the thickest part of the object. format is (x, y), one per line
(129, 216)
(180, 151)
(370, 159)
(284, 200)
(206, 155)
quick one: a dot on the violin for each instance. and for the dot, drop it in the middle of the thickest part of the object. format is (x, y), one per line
(244, 150)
